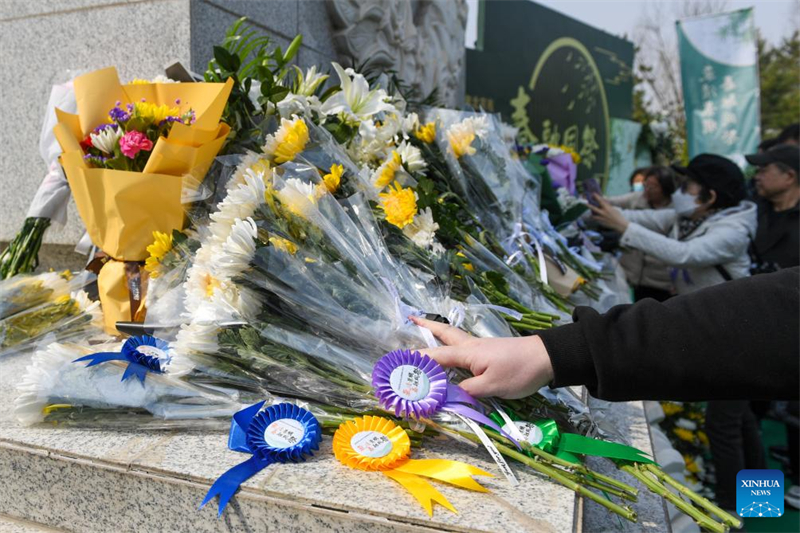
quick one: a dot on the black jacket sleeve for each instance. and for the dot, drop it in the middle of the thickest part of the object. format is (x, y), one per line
(736, 340)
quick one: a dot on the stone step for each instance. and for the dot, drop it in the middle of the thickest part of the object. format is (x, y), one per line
(118, 481)
(10, 524)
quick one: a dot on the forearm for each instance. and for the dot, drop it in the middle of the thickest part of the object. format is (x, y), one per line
(734, 341)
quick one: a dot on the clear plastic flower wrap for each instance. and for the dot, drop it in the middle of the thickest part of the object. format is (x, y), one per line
(67, 317)
(26, 291)
(55, 388)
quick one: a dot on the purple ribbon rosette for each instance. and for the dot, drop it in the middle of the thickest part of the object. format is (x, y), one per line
(413, 385)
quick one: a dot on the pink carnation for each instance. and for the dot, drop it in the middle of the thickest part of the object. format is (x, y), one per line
(133, 142)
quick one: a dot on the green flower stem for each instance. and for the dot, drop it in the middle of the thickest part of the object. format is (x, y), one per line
(656, 487)
(556, 475)
(523, 326)
(596, 484)
(583, 469)
(727, 518)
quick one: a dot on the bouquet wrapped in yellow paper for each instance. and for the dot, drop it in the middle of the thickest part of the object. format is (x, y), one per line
(128, 154)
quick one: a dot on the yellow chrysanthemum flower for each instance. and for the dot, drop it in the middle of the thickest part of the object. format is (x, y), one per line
(399, 205)
(261, 166)
(162, 244)
(385, 173)
(684, 434)
(571, 151)
(702, 437)
(671, 408)
(461, 142)
(691, 465)
(153, 112)
(333, 179)
(426, 133)
(465, 264)
(288, 141)
(283, 245)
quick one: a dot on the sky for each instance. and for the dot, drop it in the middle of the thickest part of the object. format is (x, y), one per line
(774, 18)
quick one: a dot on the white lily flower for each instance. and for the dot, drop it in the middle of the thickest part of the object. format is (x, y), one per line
(356, 101)
(309, 82)
(107, 139)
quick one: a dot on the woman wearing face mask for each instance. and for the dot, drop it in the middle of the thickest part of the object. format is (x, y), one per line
(704, 236)
(652, 189)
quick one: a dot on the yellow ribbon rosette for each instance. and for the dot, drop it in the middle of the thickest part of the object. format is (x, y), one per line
(374, 443)
(122, 209)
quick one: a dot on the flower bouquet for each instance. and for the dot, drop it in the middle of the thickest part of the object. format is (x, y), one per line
(128, 154)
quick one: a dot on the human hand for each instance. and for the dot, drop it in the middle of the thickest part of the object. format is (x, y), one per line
(608, 215)
(511, 367)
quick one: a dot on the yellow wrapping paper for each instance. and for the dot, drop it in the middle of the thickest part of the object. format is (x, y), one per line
(122, 209)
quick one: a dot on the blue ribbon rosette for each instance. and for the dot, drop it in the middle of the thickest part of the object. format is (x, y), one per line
(143, 353)
(279, 434)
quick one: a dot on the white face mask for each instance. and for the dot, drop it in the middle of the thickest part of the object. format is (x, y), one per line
(684, 203)
(638, 187)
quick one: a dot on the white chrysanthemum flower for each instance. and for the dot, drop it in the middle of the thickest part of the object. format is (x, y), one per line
(356, 101)
(241, 203)
(107, 139)
(162, 79)
(410, 124)
(686, 424)
(238, 249)
(88, 306)
(213, 299)
(423, 229)
(39, 378)
(509, 134)
(256, 163)
(309, 82)
(298, 196)
(193, 338)
(412, 157)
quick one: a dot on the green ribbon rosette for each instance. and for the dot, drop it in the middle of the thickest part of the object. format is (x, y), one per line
(545, 435)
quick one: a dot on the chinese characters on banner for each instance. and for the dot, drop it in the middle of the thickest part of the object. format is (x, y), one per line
(719, 71)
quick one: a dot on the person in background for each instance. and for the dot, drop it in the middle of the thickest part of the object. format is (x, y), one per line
(637, 179)
(704, 236)
(777, 240)
(648, 276)
(777, 246)
(790, 134)
(710, 227)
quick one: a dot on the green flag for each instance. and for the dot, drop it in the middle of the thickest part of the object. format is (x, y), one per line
(719, 71)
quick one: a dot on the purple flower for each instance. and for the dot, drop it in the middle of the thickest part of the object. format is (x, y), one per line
(119, 115)
(103, 127)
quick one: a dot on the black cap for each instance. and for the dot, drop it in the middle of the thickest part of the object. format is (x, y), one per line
(718, 174)
(788, 154)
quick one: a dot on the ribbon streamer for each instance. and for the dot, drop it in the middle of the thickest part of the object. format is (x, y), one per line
(143, 353)
(278, 434)
(373, 443)
(545, 435)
